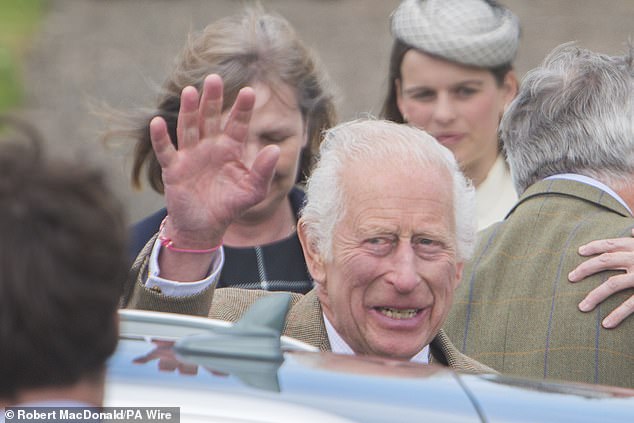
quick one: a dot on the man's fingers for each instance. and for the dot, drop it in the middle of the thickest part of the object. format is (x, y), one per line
(161, 142)
(263, 168)
(606, 246)
(187, 129)
(237, 125)
(144, 359)
(606, 261)
(602, 292)
(211, 106)
(619, 314)
(188, 369)
(167, 364)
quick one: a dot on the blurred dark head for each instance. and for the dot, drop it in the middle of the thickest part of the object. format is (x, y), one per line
(62, 265)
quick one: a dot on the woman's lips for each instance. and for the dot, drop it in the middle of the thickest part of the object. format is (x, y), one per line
(449, 139)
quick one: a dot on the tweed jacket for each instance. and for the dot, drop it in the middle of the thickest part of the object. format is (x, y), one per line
(304, 320)
(515, 309)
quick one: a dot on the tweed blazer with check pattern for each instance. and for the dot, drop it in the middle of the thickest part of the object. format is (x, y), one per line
(515, 309)
(304, 320)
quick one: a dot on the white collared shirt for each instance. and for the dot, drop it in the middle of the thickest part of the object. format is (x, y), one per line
(179, 289)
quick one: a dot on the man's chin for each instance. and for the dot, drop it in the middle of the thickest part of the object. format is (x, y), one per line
(404, 350)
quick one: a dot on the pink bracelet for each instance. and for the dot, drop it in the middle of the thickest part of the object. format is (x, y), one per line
(167, 243)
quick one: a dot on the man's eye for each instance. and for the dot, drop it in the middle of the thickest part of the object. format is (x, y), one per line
(378, 241)
(427, 245)
(374, 240)
(379, 245)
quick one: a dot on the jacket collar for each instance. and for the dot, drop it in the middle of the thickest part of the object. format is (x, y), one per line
(575, 189)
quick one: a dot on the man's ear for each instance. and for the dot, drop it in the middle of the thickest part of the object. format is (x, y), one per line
(305, 140)
(459, 269)
(313, 258)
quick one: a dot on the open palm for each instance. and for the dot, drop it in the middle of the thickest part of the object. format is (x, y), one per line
(207, 185)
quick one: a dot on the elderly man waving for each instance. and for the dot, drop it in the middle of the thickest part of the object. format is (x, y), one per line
(386, 229)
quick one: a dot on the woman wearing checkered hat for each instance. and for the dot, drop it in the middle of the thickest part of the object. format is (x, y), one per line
(451, 74)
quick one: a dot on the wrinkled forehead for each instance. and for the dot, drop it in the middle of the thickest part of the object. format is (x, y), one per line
(404, 183)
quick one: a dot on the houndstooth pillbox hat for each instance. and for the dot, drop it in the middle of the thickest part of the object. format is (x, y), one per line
(470, 32)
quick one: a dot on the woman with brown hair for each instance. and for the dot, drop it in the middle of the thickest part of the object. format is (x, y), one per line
(294, 103)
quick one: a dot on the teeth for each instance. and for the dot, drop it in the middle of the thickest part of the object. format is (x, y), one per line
(398, 314)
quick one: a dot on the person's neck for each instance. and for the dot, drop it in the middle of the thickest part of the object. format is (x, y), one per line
(88, 391)
(627, 194)
(247, 232)
(479, 171)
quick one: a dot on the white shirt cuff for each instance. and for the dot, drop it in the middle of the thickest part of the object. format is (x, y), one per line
(182, 289)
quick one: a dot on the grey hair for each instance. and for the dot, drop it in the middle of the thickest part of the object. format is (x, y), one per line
(573, 114)
(388, 142)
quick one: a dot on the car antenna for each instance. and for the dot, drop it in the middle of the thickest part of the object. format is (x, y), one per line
(255, 336)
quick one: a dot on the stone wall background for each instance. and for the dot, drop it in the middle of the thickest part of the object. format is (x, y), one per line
(118, 51)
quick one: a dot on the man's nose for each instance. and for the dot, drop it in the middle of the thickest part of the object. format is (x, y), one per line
(405, 277)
